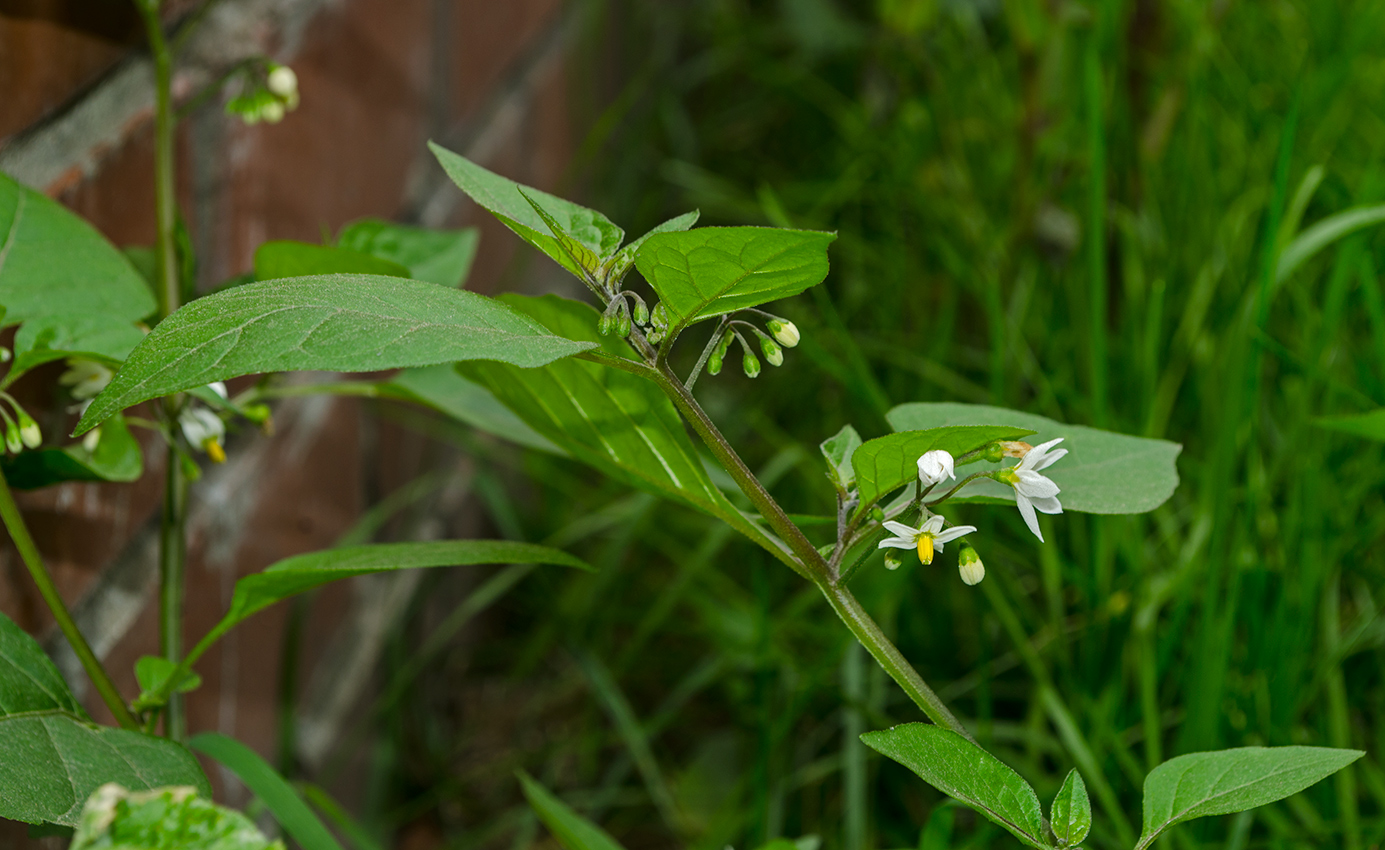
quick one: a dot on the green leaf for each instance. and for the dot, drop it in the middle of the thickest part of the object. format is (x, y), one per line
(838, 450)
(1323, 233)
(54, 756)
(1103, 472)
(614, 421)
(505, 200)
(52, 263)
(118, 457)
(443, 257)
(889, 462)
(446, 391)
(1369, 425)
(625, 257)
(273, 790)
(50, 338)
(1227, 781)
(962, 770)
(1071, 816)
(340, 323)
(285, 258)
(709, 271)
(115, 818)
(152, 672)
(573, 831)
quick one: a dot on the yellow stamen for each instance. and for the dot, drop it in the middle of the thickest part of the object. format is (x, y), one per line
(925, 543)
(215, 451)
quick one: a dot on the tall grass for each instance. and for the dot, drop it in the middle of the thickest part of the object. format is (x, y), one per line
(1070, 209)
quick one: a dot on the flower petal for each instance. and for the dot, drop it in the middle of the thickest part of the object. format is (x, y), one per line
(1036, 486)
(932, 525)
(1051, 505)
(1027, 511)
(953, 533)
(901, 529)
(1048, 460)
(897, 543)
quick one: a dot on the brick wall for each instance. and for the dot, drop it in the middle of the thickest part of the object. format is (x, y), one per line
(378, 78)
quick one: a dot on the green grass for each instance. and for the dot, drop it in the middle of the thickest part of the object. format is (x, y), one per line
(695, 694)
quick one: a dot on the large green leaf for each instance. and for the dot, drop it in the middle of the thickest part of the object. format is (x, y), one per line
(1103, 472)
(886, 463)
(443, 257)
(285, 258)
(962, 770)
(52, 263)
(54, 756)
(1071, 817)
(615, 421)
(49, 338)
(272, 789)
(1227, 781)
(446, 391)
(1369, 425)
(573, 831)
(116, 818)
(514, 205)
(118, 457)
(714, 270)
(340, 323)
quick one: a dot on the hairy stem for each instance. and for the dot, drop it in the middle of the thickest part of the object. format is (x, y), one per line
(28, 552)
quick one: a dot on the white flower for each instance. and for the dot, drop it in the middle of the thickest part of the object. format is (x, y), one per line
(934, 466)
(927, 538)
(1032, 490)
(87, 378)
(205, 430)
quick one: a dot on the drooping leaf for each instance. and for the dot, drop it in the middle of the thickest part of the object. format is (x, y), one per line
(887, 463)
(1071, 815)
(340, 323)
(617, 422)
(273, 790)
(573, 831)
(54, 756)
(443, 257)
(962, 770)
(52, 263)
(1103, 472)
(116, 818)
(709, 271)
(446, 391)
(504, 199)
(117, 457)
(837, 450)
(285, 258)
(1369, 425)
(1227, 781)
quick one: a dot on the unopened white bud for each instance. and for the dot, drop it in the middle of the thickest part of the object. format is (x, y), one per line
(970, 566)
(272, 112)
(92, 440)
(282, 81)
(29, 431)
(935, 466)
(784, 331)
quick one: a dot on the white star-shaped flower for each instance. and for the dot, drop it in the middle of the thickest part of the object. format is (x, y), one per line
(934, 466)
(927, 538)
(1032, 490)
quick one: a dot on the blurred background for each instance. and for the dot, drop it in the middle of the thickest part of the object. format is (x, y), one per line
(1068, 208)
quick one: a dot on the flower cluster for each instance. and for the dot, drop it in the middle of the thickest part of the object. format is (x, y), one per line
(267, 96)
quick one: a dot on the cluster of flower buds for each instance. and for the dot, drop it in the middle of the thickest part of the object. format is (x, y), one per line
(270, 92)
(21, 431)
(782, 334)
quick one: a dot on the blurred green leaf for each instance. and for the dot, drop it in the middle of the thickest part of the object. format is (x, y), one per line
(444, 389)
(838, 450)
(1071, 815)
(115, 818)
(1226, 781)
(1369, 425)
(1103, 472)
(961, 769)
(1323, 233)
(54, 756)
(50, 338)
(118, 457)
(265, 783)
(710, 271)
(284, 258)
(443, 257)
(887, 463)
(342, 323)
(153, 671)
(573, 831)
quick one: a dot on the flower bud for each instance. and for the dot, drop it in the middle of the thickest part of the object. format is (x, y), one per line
(5, 355)
(714, 362)
(892, 559)
(751, 364)
(969, 565)
(877, 513)
(773, 353)
(92, 440)
(935, 466)
(993, 453)
(29, 432)
(605, 324)
(785, 331)
(659, 316)
(282, 81)
(13, 441)
(257, 412)
(272, 112)
(641, 313)
(656, 337)
(622, 324)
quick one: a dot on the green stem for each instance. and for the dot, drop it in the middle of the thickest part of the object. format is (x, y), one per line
(172, 563)
(28, 552)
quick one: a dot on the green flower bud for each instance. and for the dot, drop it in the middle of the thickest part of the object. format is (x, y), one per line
(272, 112)
(13, 441)
(993, 453)
(257, 413)
(29, 431)
(605, 324)
(660, 316)
(714, 362)
(877, 513)
(784, 331)
(622, 324)
(282, 81)
(773, 353)
(751, 364)
(969, 565)
(892, 559)
(656, 337)
(641, 313)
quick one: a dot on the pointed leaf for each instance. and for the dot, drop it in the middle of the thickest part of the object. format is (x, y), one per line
(1369, 425)
(502, 197)
(573, 831)
(272, 789)
(837, 450)
(339, 323)
(443, 257)
(962, 770)
(116, 818)
(1103, 472)
(118, 457)
(54, 756)
(1071, 816)
(709, 271)
(889, 462)
(625, 257)
(153, 671)
(1228, 781)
